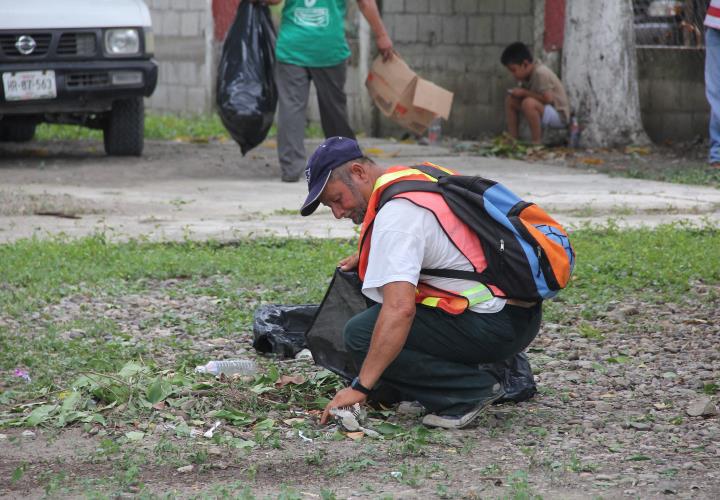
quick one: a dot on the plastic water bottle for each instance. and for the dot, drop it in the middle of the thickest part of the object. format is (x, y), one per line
(228, 367)
(435, 131)
(574, 132)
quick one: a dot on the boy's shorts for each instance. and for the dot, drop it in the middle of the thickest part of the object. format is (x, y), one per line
(551, 118)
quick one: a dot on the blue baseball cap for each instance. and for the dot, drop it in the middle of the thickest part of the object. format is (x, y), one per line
(332, 153)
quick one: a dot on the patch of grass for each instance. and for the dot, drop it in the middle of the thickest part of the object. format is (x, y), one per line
(689, 173)
(74, 377)
(168, 127)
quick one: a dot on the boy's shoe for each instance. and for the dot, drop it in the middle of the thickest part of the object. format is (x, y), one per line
(461, 421)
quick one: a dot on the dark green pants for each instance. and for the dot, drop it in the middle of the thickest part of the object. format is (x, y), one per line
(438, 364)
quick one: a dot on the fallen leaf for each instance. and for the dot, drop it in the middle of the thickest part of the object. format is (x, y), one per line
(160, 405)
(291, 421)
(592, 161)
(290, 379)
(355, 436)
(637, 150)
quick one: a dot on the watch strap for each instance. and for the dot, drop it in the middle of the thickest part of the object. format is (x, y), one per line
(355, 384)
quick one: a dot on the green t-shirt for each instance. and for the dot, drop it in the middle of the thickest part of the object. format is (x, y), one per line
(312, 33)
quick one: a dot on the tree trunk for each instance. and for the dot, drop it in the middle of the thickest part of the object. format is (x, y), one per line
(600, 72)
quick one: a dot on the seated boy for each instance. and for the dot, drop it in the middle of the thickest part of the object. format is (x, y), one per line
(540, 96)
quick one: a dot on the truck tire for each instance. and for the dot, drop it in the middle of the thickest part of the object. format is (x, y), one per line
(124, 129)
(17, 130)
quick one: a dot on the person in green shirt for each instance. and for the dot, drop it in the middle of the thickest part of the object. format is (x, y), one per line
(311, 46)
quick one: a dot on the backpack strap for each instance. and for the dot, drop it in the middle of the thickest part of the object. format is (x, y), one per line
(430, 187)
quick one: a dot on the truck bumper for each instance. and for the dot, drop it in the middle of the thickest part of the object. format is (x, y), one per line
(87, 86)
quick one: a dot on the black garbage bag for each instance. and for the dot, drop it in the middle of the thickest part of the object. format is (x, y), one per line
(323, 336)
(342, 301)
(281, 329)
(516, 376)
(246, 91)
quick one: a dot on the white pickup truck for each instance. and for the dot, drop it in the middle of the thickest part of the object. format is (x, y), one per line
(82, 62)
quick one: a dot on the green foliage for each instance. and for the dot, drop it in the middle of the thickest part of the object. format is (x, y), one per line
(505, 146)
(107, 374)
(685, 173)
(168, 127)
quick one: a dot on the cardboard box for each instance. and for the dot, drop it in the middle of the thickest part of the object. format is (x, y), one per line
(404, 97)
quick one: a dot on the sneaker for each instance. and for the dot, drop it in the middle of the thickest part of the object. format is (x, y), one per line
(461, 421)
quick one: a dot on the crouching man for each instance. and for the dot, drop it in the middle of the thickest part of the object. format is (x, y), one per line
(426, 335)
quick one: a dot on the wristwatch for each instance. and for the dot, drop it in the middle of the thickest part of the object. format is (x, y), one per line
(355, 384)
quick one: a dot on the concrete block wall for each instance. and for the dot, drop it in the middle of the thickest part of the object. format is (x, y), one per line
(672, 94)
(183, 50)
(457, 44)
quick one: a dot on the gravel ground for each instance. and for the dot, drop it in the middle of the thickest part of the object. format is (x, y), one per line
(621, 413)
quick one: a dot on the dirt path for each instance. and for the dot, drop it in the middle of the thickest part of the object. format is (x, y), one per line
(199, 191)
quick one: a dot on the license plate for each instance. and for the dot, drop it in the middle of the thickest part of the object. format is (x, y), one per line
(27, 85)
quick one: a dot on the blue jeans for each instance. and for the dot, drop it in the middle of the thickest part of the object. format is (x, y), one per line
(712, 90)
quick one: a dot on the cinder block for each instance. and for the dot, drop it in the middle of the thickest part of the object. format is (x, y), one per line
(466, 6)
(197, 4)
(159, 98)
(171, 23)
(189, 24)
(454, 29)
(518, 6)
(189, 73)
(196, 100)
(180, 5)
(441, 7)
(393, 6)
(505, 29)
(479, 30)
(430, 29)
(456, 65)
(484, 59)
(417, 6)
(177, 97)
(162, 4)
(526, 31)
(405, 28)
(490, 6)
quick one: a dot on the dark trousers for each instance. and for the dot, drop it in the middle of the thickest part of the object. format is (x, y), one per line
(293, 84)
(438, 366)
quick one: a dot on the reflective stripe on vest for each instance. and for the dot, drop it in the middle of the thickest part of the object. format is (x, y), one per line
(453, 302)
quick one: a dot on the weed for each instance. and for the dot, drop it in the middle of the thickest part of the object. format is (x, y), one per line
(316, 458)
(520, 487)
(350, 465)
(576, 465)
(710, 389)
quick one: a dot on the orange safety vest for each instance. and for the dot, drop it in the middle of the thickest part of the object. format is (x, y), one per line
(464, 238)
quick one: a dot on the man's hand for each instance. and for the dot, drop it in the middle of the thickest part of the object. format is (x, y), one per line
(349, 263)
(385, 46)
(344, 397)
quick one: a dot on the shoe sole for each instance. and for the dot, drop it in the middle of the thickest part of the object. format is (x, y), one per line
(466, 419)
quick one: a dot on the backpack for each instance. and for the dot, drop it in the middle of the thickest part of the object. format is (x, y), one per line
(529, 255)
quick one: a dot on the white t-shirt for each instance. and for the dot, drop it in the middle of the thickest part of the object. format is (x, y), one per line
(407, 238)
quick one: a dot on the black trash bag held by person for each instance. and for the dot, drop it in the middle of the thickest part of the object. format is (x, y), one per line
(246, 91)
(323, 334)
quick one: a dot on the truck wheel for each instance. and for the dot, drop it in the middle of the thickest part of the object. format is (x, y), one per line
(17, 130)
(124, 128)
